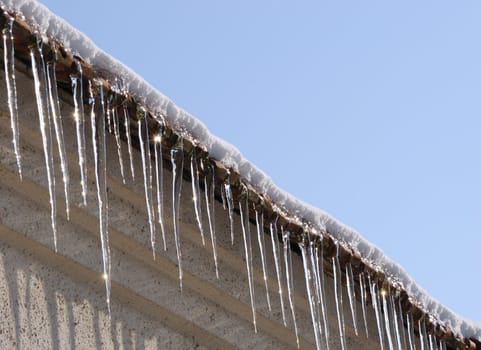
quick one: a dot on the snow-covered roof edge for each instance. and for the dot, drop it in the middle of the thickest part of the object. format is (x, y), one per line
(47, 23)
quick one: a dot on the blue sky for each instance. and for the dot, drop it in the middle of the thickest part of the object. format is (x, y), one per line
(369, 110)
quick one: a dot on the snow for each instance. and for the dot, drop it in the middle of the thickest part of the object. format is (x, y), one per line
(51, 26)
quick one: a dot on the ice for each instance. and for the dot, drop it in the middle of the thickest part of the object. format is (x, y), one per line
(410, 331)
(310, 287)
(422, 335)
(147, 172)
(177, 160)
(351, 295)
(246, 234)
(100, 169)
(319, 262)
(377, 311)
(362, 286)
(129, 139)
(79, 116)
(275, 252)
(386, 319)
(289, 277)
(159, 181)
(336, 271)
(230, 208)
(262, 250)
(58, 127)
(9, 61)
(194, 172)
(45, 130)
(78, 44)
(397, 332)
(115, 120)
(209, 191)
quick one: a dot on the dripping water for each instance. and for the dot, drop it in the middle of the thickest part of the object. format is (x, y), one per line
(147, 172)
(177, 160)
(159, 181)
(100, 169)
(289, 278)
(209, 191)
(262, 249)
(79, 116)
(336, 269)
(45, 130)
(244, 214)
(194, 172)
(9, 61)
(275, 252)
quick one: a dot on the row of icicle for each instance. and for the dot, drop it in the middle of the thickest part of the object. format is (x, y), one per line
(395, 330)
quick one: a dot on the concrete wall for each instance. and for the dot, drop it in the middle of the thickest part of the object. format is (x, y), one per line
(57, 300)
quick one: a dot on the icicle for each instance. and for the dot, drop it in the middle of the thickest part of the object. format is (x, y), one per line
(209, 190)
(230, 208)
(386, 319)
(244, 214)
(57, 122)
(401, 324)
(147, 172)
(159, 180)
(432, 342)
(79, 116)
(129, 139)
(100, 169)
(410, 326)
(363, 301)
(422, 335)
(194, 173)
(289, 278)
(316, 284)
(177, 159)
(9, 61)
(442, 345)
(115, 119)
(377, 311)
(275, 252)
(109, 117)
(336, 269)
(397, 332)
(310, 287)
(45, 130)
(262, 250)
(319, 262)
(352, 296)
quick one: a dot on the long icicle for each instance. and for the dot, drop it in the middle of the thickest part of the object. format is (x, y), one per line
(377, 311)
(57, 122)
(336, 269)
(244, 214)
(45, 130)
(79, 116)
(363, 301)
(289, 278)
(401, 323)
(397, 332)
(129, 139)
(230, 208)
(100, 169)
(352, 296)
(386, 319)
(262, 250)
(310, 282)
(147, 172)
(194, 174)
(410, 331)
(159, 181)
(9, 61)
(319, 261)
(275, 252)
(209, 190)
(115, 119)
(177, 160)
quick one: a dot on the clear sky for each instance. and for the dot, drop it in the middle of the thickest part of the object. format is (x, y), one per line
(370, 110)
